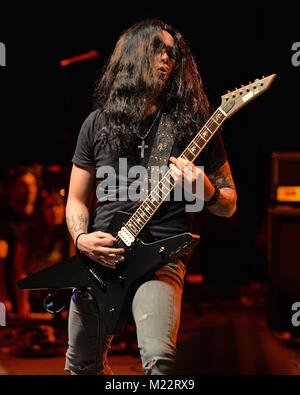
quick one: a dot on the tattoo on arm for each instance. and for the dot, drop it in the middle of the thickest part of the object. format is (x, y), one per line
(77, 223)
(222, 177)
(226, 205)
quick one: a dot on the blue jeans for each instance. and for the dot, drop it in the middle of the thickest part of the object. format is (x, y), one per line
(156, 310)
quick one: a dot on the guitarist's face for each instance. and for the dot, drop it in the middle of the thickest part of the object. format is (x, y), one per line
(164, 55)
(161, 63)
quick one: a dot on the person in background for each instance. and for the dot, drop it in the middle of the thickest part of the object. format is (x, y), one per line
(52, 241)
(20, 187)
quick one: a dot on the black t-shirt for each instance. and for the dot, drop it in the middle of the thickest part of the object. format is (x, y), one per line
(171, 218)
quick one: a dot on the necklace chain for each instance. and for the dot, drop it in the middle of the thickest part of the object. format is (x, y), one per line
(149, 130)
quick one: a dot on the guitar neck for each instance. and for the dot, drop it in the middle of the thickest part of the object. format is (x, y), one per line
(205, 134)
(159, 194)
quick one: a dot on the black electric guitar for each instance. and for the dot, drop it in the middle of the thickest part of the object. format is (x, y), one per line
(114, 289)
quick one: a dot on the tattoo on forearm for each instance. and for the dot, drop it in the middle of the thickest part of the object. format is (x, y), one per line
(227, 201)
(222, 180)
(77, 223)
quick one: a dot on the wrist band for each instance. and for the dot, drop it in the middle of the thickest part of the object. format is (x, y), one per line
(82, 233)
(215, 197)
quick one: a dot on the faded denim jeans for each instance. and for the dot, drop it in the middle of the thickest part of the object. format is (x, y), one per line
(156, 309)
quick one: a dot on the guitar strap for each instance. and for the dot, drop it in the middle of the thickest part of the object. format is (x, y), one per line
(161, 151)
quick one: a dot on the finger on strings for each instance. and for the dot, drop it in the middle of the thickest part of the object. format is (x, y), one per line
(105, 235)
(108, 250)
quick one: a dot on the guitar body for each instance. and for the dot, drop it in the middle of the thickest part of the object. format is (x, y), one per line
(113, 289)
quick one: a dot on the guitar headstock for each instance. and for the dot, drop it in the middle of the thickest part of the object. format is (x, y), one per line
(233, 101)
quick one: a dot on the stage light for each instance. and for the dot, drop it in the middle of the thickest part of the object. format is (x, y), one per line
(91, 55)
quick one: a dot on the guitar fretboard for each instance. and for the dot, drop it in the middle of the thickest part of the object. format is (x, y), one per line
(160, 192)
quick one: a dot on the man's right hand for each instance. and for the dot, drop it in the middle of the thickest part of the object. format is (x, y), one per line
(95, 245)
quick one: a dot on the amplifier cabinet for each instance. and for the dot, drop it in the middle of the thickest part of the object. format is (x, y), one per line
(285, 172)
(283, 252)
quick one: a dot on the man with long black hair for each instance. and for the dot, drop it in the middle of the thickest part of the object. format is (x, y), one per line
(150, 84)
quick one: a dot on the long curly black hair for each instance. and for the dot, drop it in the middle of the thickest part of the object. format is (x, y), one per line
(122, 91)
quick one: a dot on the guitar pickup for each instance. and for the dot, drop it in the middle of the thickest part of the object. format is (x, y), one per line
(127, 238)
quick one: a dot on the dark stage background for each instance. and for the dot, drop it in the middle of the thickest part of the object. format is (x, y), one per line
(43, 105)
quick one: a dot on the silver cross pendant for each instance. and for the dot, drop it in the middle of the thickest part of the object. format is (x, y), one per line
(142, 148)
